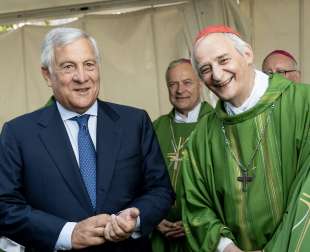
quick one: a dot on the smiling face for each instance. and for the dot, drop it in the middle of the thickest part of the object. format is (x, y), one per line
(225, 71)
(75, 75)
(184, 87)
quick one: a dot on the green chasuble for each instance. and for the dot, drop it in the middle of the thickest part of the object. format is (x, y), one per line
(270, 209)
(172, 137)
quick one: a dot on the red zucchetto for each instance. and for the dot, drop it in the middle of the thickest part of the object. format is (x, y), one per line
(215, 29)
(282, 52)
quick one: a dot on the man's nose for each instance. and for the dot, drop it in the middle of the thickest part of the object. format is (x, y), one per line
(80, 75)
(217, 73)
(181, 87)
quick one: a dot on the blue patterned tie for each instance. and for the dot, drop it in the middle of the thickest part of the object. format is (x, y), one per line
(87, 157)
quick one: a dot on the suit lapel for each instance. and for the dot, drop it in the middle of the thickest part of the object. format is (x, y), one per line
(55, 139)
(108, 144)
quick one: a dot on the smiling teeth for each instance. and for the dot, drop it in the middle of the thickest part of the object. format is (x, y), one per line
(225, 82)
(82, 89)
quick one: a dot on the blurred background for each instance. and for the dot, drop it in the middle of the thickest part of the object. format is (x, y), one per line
(137, 40)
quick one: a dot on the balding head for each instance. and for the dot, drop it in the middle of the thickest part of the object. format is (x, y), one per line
(282, 62)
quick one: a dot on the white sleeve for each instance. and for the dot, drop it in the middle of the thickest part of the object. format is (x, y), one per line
(64, 238)
(136, 234)
(223, 243)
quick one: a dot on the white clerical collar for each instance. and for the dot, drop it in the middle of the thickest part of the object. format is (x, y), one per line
(191, 117)
(259, 88)
(68, 114)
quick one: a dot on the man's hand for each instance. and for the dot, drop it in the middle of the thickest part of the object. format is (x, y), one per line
(171, 230)
(122, 225)
(89, 232)
(232, 248)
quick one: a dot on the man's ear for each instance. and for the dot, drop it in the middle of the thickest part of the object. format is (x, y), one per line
(46, 75)
(248, 54)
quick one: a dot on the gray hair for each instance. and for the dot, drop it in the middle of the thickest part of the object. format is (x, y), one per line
(59, 37)
(175, 63)
(238, 43)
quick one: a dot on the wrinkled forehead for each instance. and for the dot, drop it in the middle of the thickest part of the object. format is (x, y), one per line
(212, 47)
(181, 67)
(76, 50)
(182, 70)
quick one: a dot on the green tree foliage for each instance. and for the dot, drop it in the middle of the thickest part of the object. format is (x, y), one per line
(4, 28)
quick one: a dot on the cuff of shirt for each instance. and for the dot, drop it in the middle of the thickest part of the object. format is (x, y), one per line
(64, 238)
(136, 233)
(223, 243)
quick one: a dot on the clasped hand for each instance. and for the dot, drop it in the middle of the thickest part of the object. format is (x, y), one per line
(98, 229)
(121, 226)
(171, 230)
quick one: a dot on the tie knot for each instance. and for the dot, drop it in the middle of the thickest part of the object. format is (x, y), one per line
(81, 120)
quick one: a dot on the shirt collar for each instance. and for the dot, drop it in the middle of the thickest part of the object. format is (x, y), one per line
(68, 114)
(259, 88)
(191, 117)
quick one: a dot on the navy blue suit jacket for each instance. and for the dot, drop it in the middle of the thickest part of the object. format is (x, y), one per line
(41, 186)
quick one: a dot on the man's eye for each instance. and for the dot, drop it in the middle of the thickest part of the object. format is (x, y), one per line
(90, 65)
(281, 72)
(68, 67)
(171, 84)
(224, 61)
(188, 82)
(205, 70)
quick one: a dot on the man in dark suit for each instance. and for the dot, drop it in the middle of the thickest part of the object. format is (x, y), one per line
(81, 173)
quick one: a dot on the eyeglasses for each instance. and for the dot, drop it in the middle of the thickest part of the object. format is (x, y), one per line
(282, 72)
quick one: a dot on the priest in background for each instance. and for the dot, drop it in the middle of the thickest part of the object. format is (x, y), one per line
(173, 130)
(245, 168)
(281, 62)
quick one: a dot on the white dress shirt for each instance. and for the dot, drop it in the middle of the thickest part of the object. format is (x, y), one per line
(72, 127)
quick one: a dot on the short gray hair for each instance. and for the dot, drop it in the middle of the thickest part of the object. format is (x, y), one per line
(238, 43)
(175, 63)
(59, 37)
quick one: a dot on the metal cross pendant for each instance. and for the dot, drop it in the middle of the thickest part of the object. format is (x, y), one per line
(244, 179)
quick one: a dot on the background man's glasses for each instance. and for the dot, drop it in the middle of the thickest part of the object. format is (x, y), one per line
(282, 72)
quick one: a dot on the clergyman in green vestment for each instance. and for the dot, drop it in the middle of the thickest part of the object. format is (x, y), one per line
(282, 62)
(245, 169)
(173, 130)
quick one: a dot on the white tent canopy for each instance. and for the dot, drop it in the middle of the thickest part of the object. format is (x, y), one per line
(20, 10)
(137, 46)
